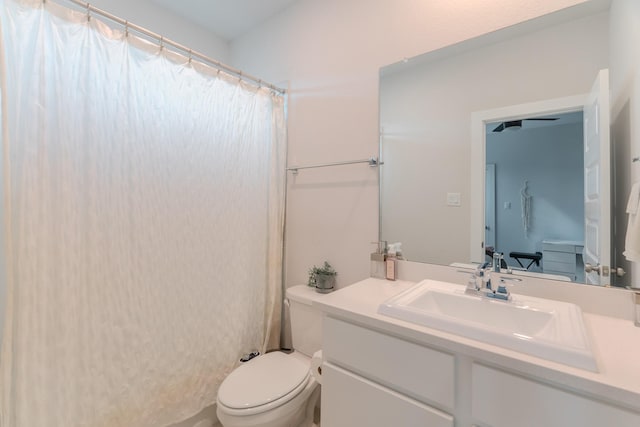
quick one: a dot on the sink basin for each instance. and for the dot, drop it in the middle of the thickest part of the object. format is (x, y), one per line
(548, 329)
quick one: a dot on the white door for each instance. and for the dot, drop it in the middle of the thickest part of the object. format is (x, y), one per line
(490, 205)
(597, 192)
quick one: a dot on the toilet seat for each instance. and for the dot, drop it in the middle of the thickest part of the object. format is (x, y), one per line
(263, 383)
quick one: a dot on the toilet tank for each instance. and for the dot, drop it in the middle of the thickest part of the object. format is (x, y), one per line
(306, 321)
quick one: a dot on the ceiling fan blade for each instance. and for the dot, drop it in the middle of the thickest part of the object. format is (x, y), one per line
(500, 128)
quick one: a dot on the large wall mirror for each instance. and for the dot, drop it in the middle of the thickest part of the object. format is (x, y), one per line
(483, 147)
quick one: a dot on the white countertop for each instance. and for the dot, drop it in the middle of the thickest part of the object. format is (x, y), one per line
(616, 344)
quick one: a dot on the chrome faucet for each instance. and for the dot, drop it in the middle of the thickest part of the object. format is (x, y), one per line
(479, 284)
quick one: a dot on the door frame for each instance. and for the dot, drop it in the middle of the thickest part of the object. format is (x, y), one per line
(479, 120)
(490, 184)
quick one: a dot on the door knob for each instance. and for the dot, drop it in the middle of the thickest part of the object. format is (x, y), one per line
(620, 272)
(603, 270)
(600, 270)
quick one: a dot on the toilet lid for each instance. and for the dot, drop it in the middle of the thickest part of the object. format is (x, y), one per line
(263, 380)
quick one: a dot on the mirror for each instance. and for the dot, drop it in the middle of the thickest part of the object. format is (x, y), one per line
(432, 197)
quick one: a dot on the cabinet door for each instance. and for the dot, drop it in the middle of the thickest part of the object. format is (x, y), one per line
(505, 400)
(349, 400)
(411, 369)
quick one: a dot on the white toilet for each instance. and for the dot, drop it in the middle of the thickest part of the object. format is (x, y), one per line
(277, 389)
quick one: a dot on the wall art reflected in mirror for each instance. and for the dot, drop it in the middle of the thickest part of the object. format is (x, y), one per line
(483, 146)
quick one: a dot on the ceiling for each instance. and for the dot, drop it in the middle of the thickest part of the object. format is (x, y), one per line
(226, 18)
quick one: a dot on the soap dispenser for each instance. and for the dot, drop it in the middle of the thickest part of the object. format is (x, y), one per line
(378, 259)
(393, 254)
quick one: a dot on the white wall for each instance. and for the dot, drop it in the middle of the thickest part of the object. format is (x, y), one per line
(153, 17)
(329, 53)
(625, 118)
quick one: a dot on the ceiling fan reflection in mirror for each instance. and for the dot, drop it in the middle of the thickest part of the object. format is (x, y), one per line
(513, 125)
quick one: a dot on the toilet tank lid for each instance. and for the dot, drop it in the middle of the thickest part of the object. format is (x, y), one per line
(304, 294)
(263, 380)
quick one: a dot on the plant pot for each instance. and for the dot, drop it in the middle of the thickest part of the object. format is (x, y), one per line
(325, 283)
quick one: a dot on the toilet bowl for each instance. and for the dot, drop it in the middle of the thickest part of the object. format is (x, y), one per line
(277, 389)
(273, 390)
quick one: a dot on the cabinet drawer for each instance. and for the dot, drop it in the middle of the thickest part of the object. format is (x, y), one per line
(505, 400)
(549, 266)
(420, 372)
(560, 248)
(568, 258)
(349, 401)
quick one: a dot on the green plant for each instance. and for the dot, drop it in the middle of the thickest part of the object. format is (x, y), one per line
(326, 270)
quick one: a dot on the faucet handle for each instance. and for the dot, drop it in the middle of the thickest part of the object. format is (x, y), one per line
(472, 285)
(482, 267)
(502, 293)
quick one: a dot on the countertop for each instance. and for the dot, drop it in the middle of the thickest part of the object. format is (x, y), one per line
(615, 342)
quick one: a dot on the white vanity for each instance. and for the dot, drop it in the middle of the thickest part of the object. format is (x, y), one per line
(382, 371)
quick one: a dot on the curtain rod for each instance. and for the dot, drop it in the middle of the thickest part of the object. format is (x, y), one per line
(164, 42)
(372, 161)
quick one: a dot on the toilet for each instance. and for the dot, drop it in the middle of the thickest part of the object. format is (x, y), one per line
(278, 389)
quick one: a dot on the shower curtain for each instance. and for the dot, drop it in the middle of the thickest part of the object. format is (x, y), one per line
(142, 220)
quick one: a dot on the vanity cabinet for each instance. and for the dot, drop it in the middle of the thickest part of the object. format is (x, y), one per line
(373, 379)
(501, 399)
(356, 401)
(377, 379)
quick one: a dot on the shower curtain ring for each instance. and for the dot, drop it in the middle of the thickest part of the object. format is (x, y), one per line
(126, 29)
(190, 56)
(88, 12)
(161, 43)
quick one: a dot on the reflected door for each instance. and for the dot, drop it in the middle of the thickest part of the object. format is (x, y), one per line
(597, 194)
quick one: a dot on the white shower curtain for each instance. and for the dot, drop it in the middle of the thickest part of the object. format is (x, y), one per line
(143, 209)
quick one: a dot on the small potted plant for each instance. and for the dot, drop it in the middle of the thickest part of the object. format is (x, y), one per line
(323, 278)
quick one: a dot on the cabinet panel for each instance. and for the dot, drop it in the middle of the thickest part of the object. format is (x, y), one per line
(349, 401)
(562, 267)
(504, 400)
(555, 247)
(420, 372)
(560, 257)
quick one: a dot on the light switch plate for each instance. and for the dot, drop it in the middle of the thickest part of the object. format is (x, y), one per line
(453, 199)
